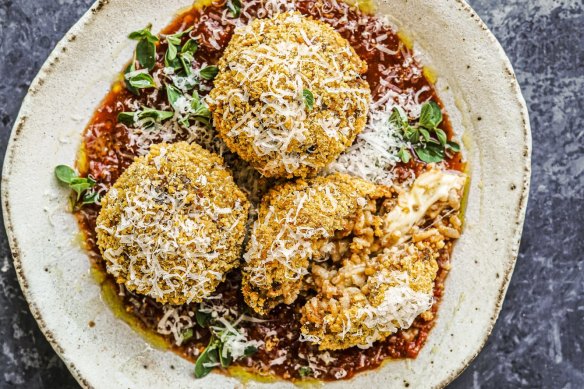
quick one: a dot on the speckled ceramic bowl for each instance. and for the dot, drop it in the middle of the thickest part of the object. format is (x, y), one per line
(477, 84)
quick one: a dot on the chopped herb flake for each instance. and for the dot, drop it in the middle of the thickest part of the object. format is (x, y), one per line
(308, 99)
(209, 72)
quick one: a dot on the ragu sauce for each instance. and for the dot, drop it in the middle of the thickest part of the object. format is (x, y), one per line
(108, 150)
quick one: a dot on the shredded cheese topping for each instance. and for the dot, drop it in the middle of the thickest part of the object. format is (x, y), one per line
(398, 309)
(172, 224)
(259, 104)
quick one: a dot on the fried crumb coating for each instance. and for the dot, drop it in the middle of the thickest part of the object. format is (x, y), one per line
(295, 221)
(363, 255)
(173, 224)
(262, 98)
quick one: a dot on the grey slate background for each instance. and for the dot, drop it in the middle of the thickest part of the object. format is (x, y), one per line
(538, 341)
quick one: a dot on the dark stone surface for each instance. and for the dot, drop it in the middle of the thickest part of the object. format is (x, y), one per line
(538, 341)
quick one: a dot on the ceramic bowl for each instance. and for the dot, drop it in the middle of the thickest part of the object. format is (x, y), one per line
(478, 86)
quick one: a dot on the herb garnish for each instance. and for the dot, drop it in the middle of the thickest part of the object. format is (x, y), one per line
(173, 94)
(305, 371)
(203, 319)
(207, 360)
(127, 75)
(149, 116)
(186, 56)
(187, 334)
(308, 99)
(209, 72)
(199, 109)
(199, 112)
(188, 107)
(82, 186)
(234, 7)
(140, 80)
(219, 350)
(173, 41)
(146, 49)
(428, 142)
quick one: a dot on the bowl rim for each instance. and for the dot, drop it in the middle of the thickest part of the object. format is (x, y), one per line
(89, 16)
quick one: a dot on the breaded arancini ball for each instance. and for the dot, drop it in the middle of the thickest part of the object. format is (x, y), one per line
(295, 220)
(364, 255)
(173, 224)
(289, 97)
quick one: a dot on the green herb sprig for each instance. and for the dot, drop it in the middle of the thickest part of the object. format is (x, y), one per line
(145, 55)
(178, 57)
(305, 371)
(149, 116)
(217, 352)
(198, 110)
(308, 98)
(209, 72)
(174, 41)
(187, 334)
(139, 80)
(187, 56)
(428, 142)
(234, 7)
(146, 48)
(84, 187)
(208, 359)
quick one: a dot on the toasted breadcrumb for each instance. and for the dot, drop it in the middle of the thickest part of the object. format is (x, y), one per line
(294, 222)
(259, 104)
(173, 224)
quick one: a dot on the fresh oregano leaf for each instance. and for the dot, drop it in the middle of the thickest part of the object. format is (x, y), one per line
(144, 34)
(441, 135)
(305, 371)
(453, 146)
(234, 7)
(129, 118)
(224, 355)
(146, 53)
(173, 95)
(430, 152)
(398, 118)
(404, 155)
(158, 116)
(142, 81)
(425, 134)
(198, 108)
(431, 115)
(171, 52)
(203, 319)
(130, 69)
(250, 350)
(190, 47)
(80, 185)
(90, 198)
(65, 174)
(187, 334)
(209, 72)
(186, 59)
(308, 99)
(207, 359)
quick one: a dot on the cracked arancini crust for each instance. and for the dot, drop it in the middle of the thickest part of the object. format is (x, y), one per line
(294, 222)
